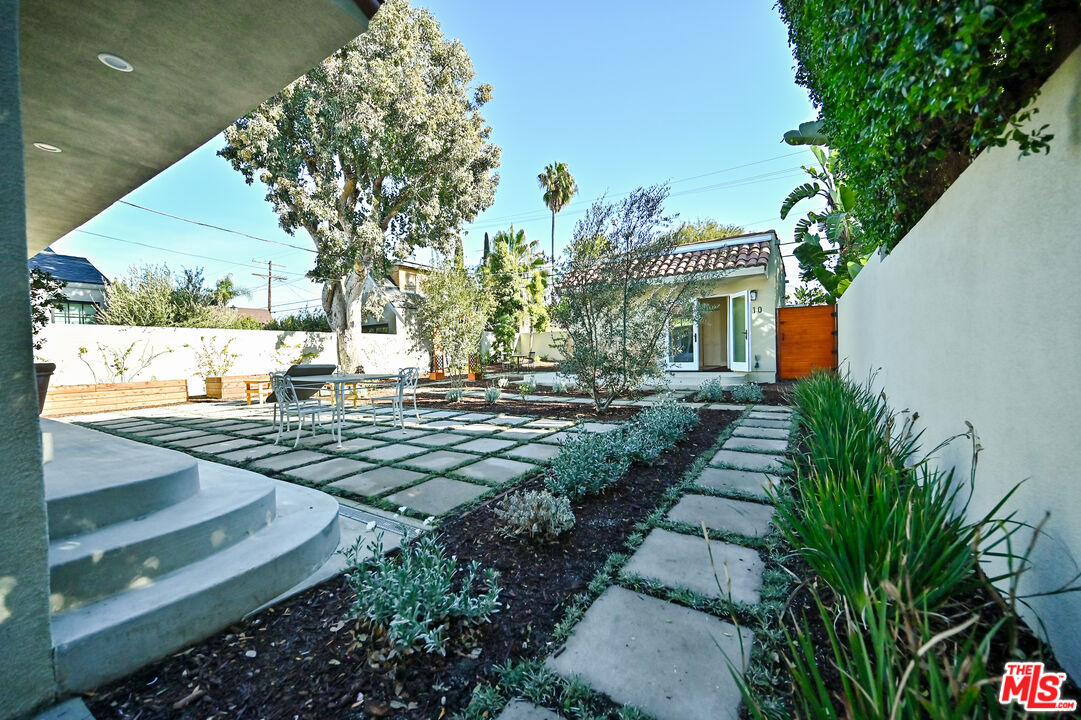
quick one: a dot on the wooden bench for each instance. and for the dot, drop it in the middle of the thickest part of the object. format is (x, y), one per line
(236, 387)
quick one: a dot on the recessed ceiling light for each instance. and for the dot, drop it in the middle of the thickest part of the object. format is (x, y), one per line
(47, 147)
(115, 62)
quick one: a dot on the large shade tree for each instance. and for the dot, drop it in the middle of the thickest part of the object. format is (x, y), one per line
(378, 151)
(559, 187)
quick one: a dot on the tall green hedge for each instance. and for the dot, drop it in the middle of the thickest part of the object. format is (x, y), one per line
(910, 91)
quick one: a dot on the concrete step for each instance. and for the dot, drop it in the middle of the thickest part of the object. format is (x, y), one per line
(230, 505)
(96, 480)
(111, 637)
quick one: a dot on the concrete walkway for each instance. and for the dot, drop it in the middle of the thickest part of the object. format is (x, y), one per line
(671, 661)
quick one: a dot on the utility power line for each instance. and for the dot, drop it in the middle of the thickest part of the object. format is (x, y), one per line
(270, 278)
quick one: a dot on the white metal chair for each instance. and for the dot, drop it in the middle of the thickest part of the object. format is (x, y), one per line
(407, 383)
(288, 405)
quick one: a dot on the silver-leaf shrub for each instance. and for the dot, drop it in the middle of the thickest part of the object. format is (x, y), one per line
(657, 429)
(491, 395)
(710, 391)
(587, 464)
(748, 393)
(454, 395)
(534, 513)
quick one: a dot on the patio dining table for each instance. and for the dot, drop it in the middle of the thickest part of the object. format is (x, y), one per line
(338, 381)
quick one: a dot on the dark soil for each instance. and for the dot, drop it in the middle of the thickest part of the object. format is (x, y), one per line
(512, 405)
(308, 663)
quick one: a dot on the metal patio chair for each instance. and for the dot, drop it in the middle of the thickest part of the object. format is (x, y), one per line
(406, 384)
(289, 404)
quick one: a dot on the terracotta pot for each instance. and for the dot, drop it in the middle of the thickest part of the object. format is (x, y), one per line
(44, 371)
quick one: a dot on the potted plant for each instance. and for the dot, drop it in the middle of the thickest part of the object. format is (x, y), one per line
(45, 294)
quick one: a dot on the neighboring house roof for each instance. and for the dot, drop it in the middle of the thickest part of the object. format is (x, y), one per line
(68, 268)
(260, 314)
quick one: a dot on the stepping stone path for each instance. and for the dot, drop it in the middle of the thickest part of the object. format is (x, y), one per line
(666, 659)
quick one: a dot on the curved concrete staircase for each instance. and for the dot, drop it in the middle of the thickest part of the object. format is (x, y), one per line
(151, 550)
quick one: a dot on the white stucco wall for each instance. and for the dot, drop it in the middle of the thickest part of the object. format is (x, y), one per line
(259, 351)
(976, 316)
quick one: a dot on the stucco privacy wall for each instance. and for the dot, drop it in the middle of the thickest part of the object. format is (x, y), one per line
(26, 670)
(172, 351)
(976, 316)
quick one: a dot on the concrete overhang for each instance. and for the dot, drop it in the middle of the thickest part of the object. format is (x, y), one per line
(198, 65)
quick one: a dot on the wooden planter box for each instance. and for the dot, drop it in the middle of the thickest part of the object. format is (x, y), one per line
(230, 387)
(80, 399)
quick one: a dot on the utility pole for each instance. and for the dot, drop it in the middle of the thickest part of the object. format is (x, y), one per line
(270, 278)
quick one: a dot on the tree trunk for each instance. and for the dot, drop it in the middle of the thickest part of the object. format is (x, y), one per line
(553, 238)
(342, 304)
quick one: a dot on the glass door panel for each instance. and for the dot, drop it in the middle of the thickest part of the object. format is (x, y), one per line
(739, 336)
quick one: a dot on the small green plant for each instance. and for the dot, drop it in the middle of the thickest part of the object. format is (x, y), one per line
(710, 391)
(544, 357)
(502, 382)
(212, 361)
(587, 464)
(121, 364)
(491, 395)
(657, 429)
(535, 513)
(559, 385)
(414, 596)
(455, 395)
(527, 387)
(748, 393)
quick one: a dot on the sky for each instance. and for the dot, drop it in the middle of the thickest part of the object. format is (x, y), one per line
(697, 93)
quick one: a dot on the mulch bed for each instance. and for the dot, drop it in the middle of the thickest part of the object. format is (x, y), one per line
(511, 405)
(300, 659)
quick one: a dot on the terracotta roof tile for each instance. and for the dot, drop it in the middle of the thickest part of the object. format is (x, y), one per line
(685, 261)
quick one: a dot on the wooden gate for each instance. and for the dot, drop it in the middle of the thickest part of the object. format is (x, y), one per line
(806, 340)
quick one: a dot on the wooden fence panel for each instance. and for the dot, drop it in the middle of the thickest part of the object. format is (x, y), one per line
(806, 340)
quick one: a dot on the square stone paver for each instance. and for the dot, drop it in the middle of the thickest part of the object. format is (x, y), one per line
(195, 440)
(444, 425)
(682, 561)
(365, 428)
(443, 439)
(723, 514)
(438, 460)
(772, 408)
(308, 439)
(290, 460)
(436, 496)
(755, 444)
(510, 420)
(226, 446)
(439, 414)
(352, 445)
(556, 438)
(747, 481)
(522, 710)
(537, 452)
(758, 415)
(158, 431)
(758, 422)
(475, 417)
(260, 429)
(485, 445)
(761, 432)
(328, 469)
(671, 661)
(495, 470)
(253, 453)
(549, 424)
(392, 452)
(596, 427)
(400, 434)
(479, 428)
(376, 482)
(182, 434)
(518, 434)
(749, 461)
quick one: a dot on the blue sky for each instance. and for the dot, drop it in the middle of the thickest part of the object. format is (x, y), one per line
(626, 93)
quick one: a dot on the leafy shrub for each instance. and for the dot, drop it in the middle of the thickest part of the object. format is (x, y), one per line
(543, 357)
(454, 395)
(587, 464)
(748, 393)
(710, 391)
(910, 92)
(527, 387)
(491, 395)
(414, 597)
(301, 321)
(657, 429)
(502, 382)
(559, 385)
(535, 513)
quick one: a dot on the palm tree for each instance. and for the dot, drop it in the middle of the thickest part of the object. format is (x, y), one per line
(559, 187)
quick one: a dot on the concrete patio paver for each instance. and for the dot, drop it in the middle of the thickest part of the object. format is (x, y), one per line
(332, 469)
(182, 434)
(195, 440)
(226, 446)
(755, 444)
(292, 459)
(356, 444)
(760, 432)
(682, 561)
(749, 461)
(396, 435)
(758, 422)
(518, 434)
(746, 481)
(510, 420)
(377, 481)
(485, 445)
(495, 470)
(668, 660)
(738, 516)
(556, 438)
(439, 439)
(437, 496)
(438, 460)
(479, 428)
(389, 453)
(537, 452)
(253, 453)
(522, 710)
(549, 424)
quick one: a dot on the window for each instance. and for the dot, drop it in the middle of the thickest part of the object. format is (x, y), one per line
(410, 282)
(75, 313)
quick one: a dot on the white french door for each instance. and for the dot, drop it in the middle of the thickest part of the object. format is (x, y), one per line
(683, 344)
(739, 332)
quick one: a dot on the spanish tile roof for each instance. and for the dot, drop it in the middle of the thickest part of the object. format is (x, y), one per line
(68, 268)
(686, 260)
(259, 314)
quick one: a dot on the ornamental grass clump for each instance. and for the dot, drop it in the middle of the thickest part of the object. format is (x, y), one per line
(587, 464)
(748, 393)
(534, 514)
(454, 395)
(710, 391)
(414, 597)
(491, 395)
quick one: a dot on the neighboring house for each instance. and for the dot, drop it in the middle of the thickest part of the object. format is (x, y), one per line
(400, 286)
(258, 314)
(84, 286)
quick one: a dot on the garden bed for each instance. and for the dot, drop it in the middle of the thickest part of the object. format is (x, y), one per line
(301, 659)
(108, 397)
(511, 405)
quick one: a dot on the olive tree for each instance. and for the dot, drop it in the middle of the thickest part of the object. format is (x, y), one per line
(614, 308)
(379, 150)
(451, 316)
